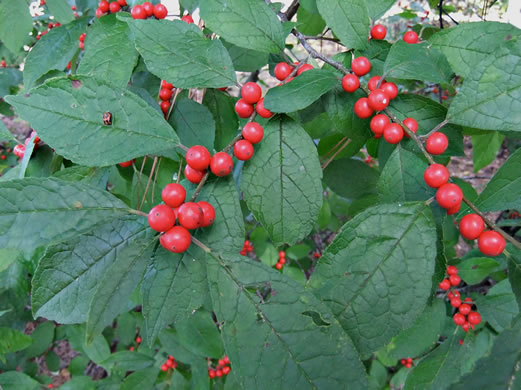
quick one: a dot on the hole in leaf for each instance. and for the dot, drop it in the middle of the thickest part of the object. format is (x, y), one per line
(316, 317)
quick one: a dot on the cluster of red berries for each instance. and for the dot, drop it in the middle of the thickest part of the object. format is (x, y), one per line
(247, 248)
(282, 260)
(466, 318)
(407, 362)
(19, 150)
(148, 10)
(222, 368)
(283, 71)
(190, 216)
(138, 341)
(104, 7)
(251, 95)
(50, 26)
(170, 364)
(82, 40)
(165, 94)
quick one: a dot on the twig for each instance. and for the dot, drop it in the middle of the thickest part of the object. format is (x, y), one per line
(155, 178)
(148, 182)
(137, 212)
(324, 166)
(440, 6)
(139, 179)
(336, 146)
(201, 245)
(292, 9)
(437, 128)
(178, 178)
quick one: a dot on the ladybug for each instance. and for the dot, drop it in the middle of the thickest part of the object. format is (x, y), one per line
(107, 118)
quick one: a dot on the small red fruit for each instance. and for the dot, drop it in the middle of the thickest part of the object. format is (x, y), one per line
(122, 3)
(452, 270)
(243, 150)
(263, 112)
(436, 175)
(193, 175)
(378, 31)
(218, 373)
(445, 284)
(161, 218)
(410, 37)
(491, 243)
(455, 302)
(190, 215)
(221, 164)
(165, 106)
(282, 71)
(474, 318)
(188, 19)
(114, 7)
(126, 164)
(361, 66)
(363, 109)
(208, 213)
(82, 37)
(373, 83)
(170, 363)
(454, 280)
(160, 11)
(19, 151)
(411, 125)
(465, 327)
(225, 358)
(243, 109)
(138, 12)
(350, 83)
(471, 226)
(176, 240)
(464, 309)
(253, 132)
(304, 68)
(378, 100)
(211, 373)
(198, 157)
(104, 6)
(454, 210)
(164, 367)
(378, 124)
(449, 195)
(165, 94)
(99, 14)
(459, 319)
(437, 143)
(149, 8)
(226, 370)
(279, 266)
(390, 89)
(393, 133)
(165, 84)
(251, 93)
(173, 195)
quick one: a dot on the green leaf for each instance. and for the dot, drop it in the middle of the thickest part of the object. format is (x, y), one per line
(143, 379)
(300, 92)
(11, 341)
(189, 5)
(14, 380)
(499, 369)
(53, 51)
(61, 10)
(376, 53)
(42, 336)
(351, 178)
(194, 123)
(5, 134)
(15, 23)
(269, 337)
(109, 53)
(383, 247)
(246, 60)
(489, 96)
(309, 23)
(502, 192)
(485, 148)
(53, 361)
(378, 8)
(29, 205)
(282, 184)
(348, 20)
(221, 105)
(128, 361)
(81, 382)
(199, 334)
(9, 78)
(499, 306)
(69, 273)
(250, 24)
(76, 129)
(475, 269)
(402, 178)
(417, 62)
(514, 272)
(467, 44)
(187, 59)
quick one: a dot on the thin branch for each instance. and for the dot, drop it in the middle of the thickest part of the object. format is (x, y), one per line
(155, 177)
(324, 166)
(440, 6)
(336, 146)
(437, 128)
(178, 178)
(137, 212)
(148, 182)
(292, 9)
(201, 245)
(139, 179)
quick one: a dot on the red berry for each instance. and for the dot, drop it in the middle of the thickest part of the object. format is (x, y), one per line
(465, 326)
(104, 6)
(81, 45)
(350, 83)
(491, 243)
(225, 358)
(411, 125)
(138, 12)
(457, 294)
(173, 195)
(220, 362)
(161, 218)
(403, 361)
(282, 260)
(198, 157)
(449, 195)
(218, 372)
(452, 270)
(378, 124)
(253, 132)
(164, 367)
(211, 373)
(282, 70)
(114, 7)
(373, 82)
(437, 143)
(464, 309)
(165, 106)
(445, 284)
(361, 66)
(165, 94)
(138, 340)
(455, 302)
(251, 93)
(450, 295)
(304, 68)
(474, 318)
(99, 14)
(164, 83)
(390, 89)
(226, 370)
(193, 175)
(393, 133)
(454, 280)
(459, 319)
(160, 11)
(170, 363)
(82, 37)
(243, 109)
(408, 365)
(410, 37)
(188, 19)
(149, 8)
(190, 215)
(126, 164)
(279, 266)
(282, 254)
(19, 151)
(208, 213)
(243, 150)
(122, 3)
(471, 226)
(436, 175)
(378, 31)
(454, 210)
(221, 164)
(362, 108)
(263, 112)
(378, 100)
(176, 240)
